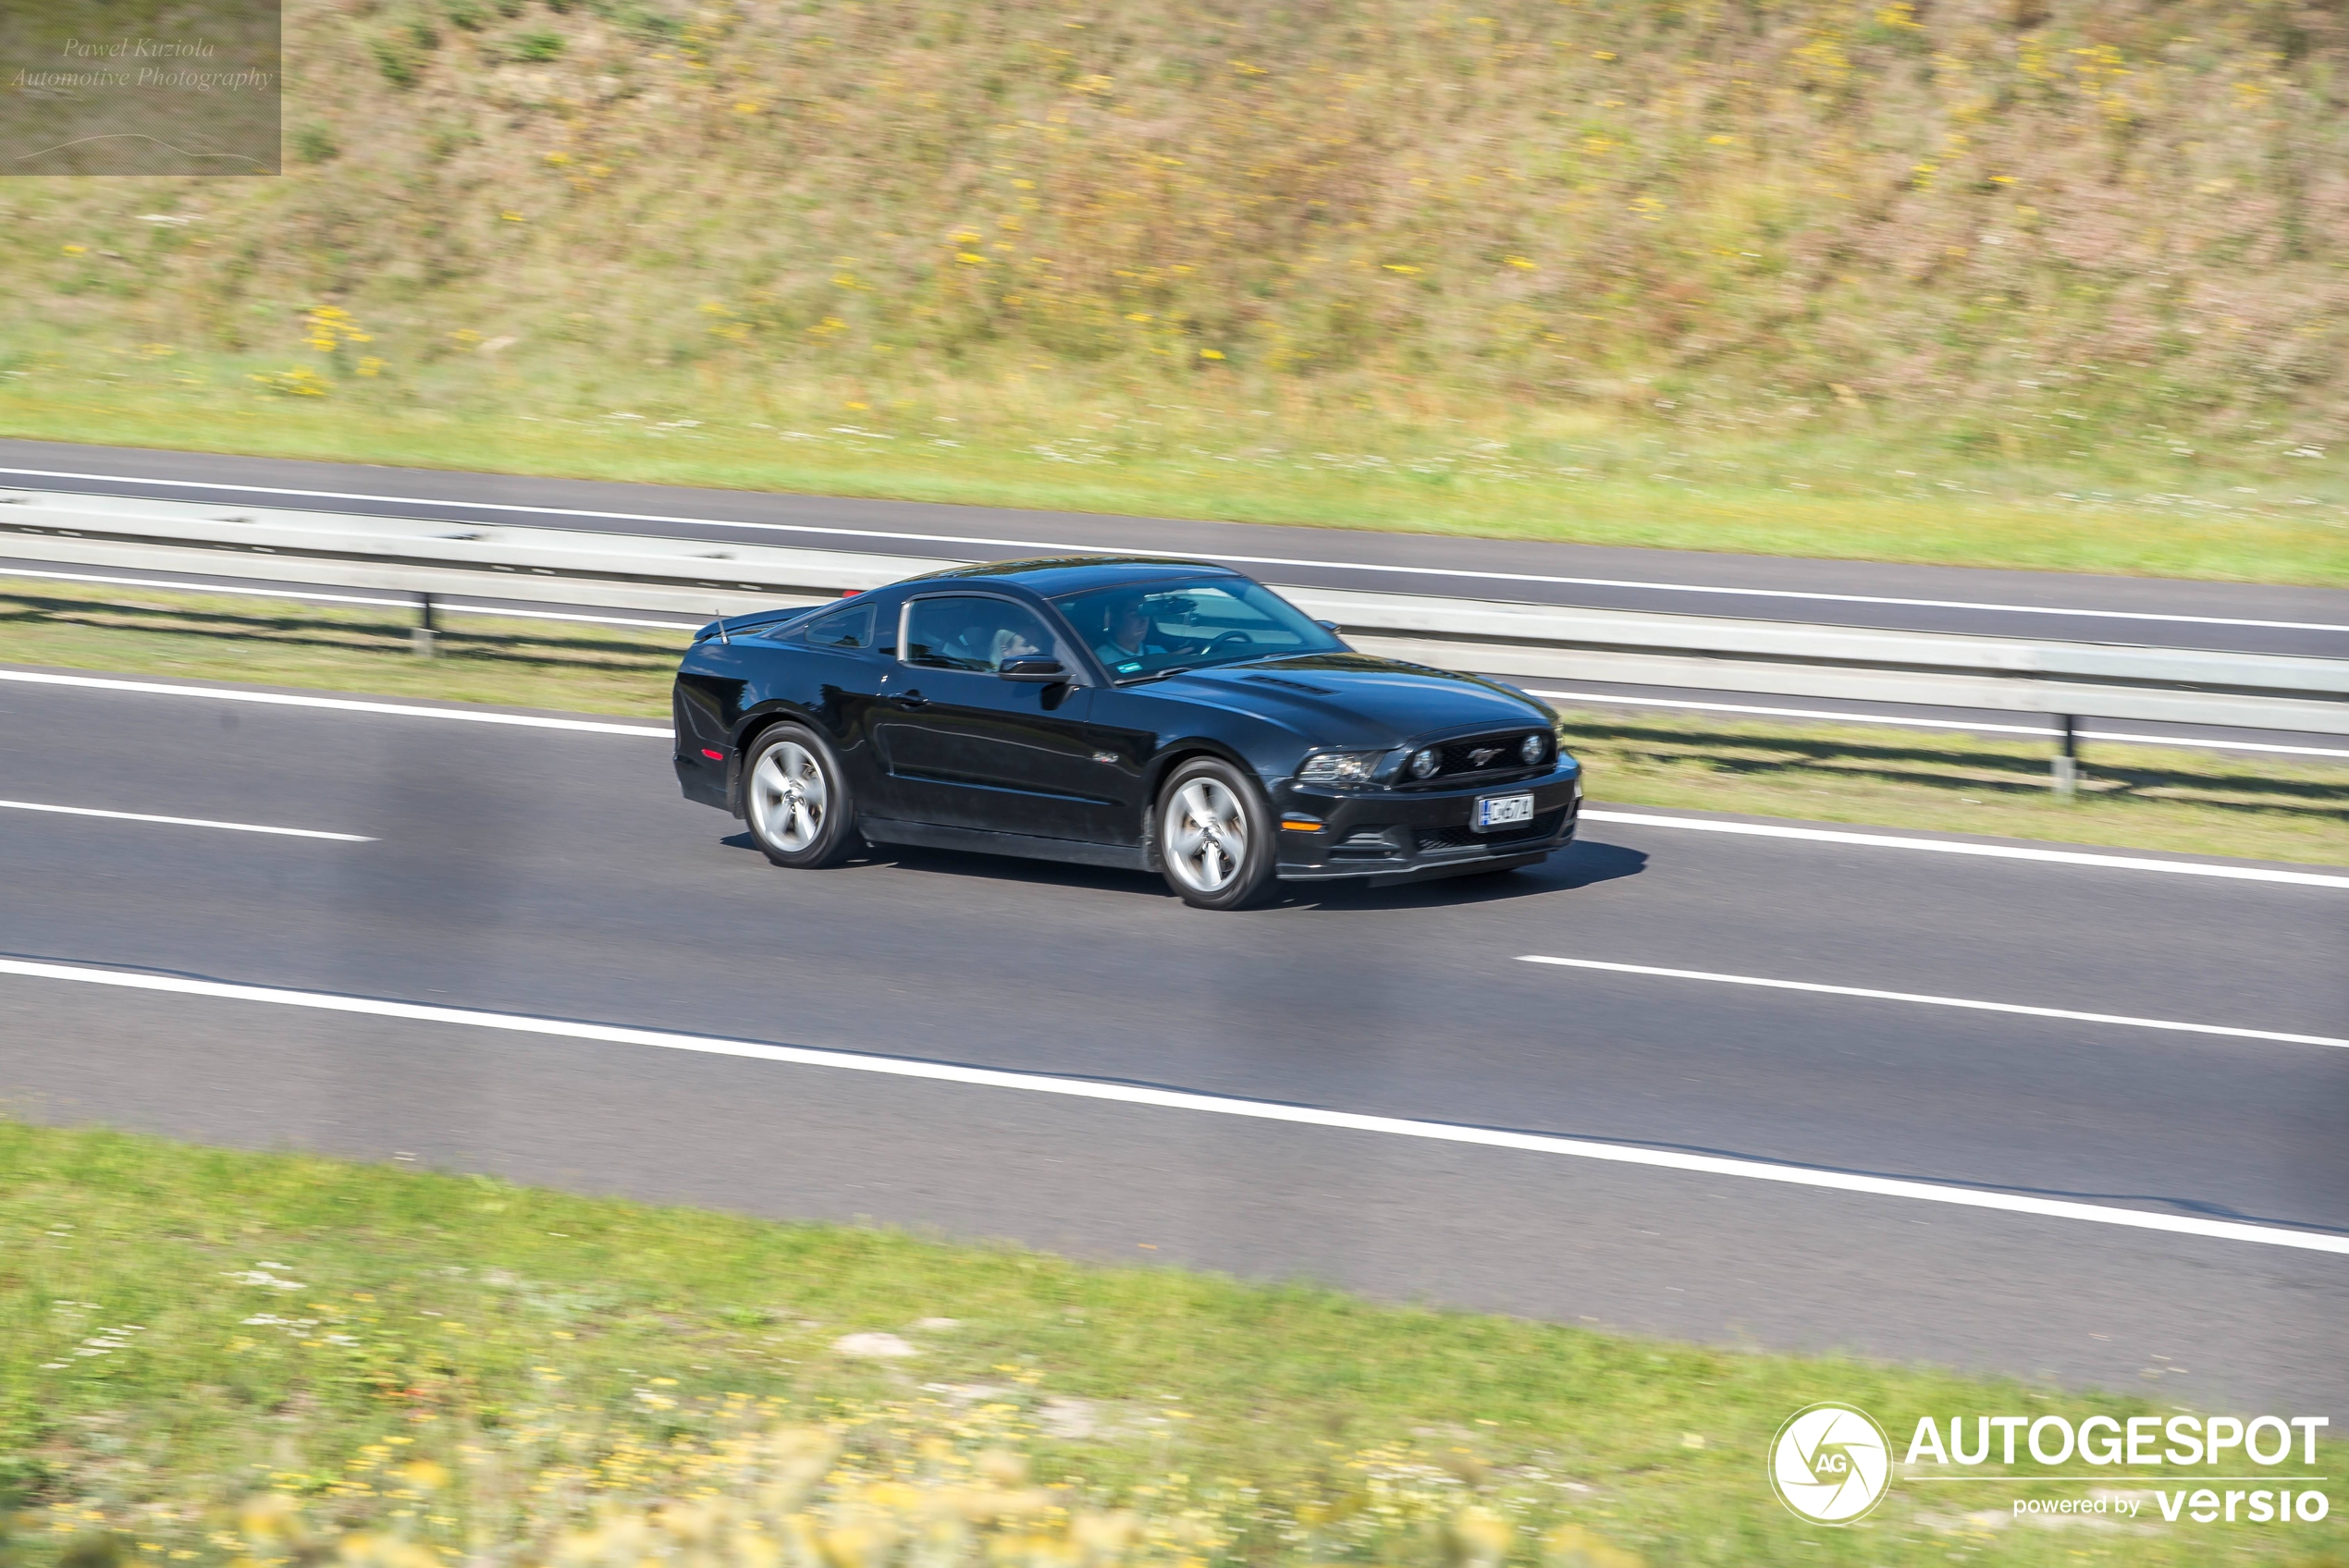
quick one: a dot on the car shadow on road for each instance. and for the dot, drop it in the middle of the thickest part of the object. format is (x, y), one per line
(993, 868)
(1580, 865)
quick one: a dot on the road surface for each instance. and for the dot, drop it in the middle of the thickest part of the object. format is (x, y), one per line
(551, 876)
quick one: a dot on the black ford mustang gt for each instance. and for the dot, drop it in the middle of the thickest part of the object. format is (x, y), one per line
(1163, 714)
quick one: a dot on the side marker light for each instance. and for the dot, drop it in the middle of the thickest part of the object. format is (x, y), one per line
(714, 756)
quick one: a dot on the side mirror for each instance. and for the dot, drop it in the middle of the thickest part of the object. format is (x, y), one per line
(1034, 667)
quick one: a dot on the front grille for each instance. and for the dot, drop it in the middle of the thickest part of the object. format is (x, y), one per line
(1466, 838)
(1499, 752)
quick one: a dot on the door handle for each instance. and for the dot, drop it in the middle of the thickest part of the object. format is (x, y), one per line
(910, 700)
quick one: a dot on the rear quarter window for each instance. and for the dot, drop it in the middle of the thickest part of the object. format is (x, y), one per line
(849, 628)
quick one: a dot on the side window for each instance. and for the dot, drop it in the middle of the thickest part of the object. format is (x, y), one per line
(851, 628)
(974, 631)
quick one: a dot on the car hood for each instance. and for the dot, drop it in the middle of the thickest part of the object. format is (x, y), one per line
(1355, 701)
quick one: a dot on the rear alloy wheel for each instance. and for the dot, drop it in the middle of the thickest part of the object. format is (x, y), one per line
(797, 800)
(1214, 836)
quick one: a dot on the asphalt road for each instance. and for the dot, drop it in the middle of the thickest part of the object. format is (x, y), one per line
(555, 873)
(2302, 620)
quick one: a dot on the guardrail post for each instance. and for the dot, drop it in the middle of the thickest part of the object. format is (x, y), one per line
(421, 638)
(2067, 758)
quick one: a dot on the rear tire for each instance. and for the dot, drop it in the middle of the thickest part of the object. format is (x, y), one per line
(1213, 831)
(796, 799)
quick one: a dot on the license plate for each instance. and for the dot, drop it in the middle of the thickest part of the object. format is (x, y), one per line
(1502, 811)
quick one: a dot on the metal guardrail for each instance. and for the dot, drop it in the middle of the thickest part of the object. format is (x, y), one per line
(430, 555)
(433, 558)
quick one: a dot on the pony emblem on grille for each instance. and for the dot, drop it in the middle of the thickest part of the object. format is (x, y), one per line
(1483, 754)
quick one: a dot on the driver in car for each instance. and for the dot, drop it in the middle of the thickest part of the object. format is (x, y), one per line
(1128, 632)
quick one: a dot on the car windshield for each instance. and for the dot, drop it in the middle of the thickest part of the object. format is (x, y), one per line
(1138, 632)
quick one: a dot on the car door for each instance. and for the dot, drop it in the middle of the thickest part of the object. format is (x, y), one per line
(843, 664)
(965, 748)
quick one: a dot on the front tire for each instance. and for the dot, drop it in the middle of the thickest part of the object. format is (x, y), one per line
(1214, 836)
(796, 799)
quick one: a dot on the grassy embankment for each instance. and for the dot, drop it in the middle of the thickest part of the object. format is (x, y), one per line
(2257, 807)
(2045, 283)
(244, 1360)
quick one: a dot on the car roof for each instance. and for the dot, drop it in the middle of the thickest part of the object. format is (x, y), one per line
(1053, 576)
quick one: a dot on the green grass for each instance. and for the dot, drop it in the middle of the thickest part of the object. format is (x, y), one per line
(2140, 796)
(1488, 471)
(456, 1363)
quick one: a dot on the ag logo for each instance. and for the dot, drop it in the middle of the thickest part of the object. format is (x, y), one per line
(1829, 1462)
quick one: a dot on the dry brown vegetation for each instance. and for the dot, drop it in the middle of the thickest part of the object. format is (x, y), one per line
(2033, 209)
(2068, 244)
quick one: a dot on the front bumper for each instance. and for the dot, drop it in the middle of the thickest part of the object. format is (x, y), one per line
(1411, 833)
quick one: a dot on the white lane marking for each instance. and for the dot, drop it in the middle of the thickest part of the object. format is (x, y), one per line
(1064, 546)
(2222, 745)
(1991, 851)
(1215, 1105)
(302, 595)
(1591, 814)
(340, 704)
(1934, 1001)
(185, 822)
(2189, 743)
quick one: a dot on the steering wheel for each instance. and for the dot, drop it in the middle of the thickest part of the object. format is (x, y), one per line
(1215, 644)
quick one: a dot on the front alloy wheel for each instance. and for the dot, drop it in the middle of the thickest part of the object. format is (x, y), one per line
(795, 799)
(1214, 836)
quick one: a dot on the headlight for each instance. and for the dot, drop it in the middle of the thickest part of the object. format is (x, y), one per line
(1424, 763)
(1339, 768)
(1531, 750)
